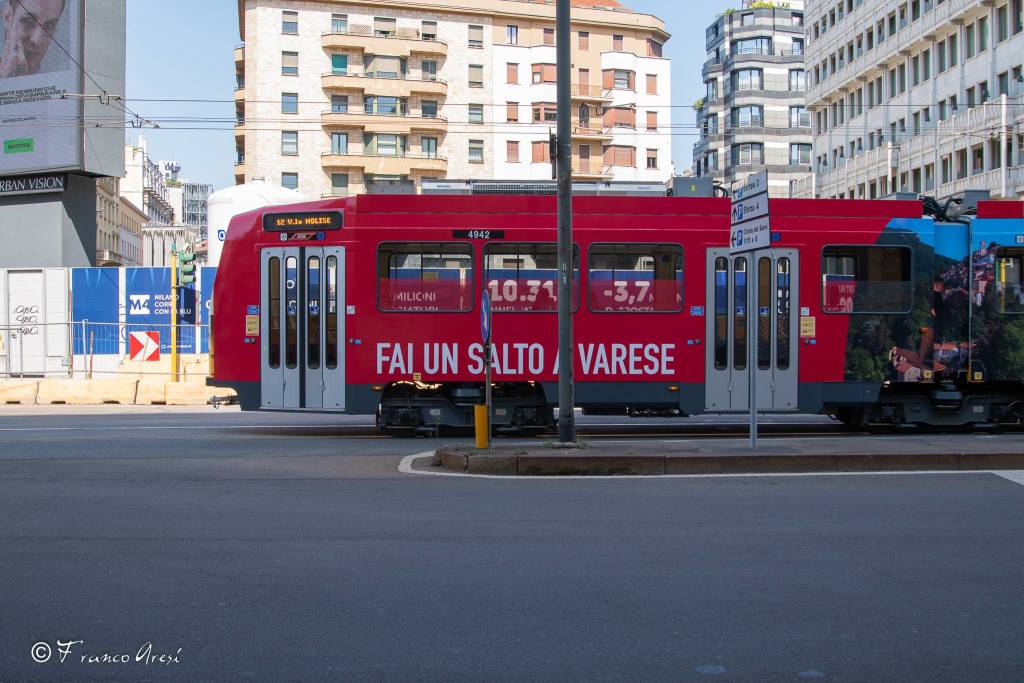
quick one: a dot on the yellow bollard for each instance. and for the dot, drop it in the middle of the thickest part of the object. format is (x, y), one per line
(480, 422)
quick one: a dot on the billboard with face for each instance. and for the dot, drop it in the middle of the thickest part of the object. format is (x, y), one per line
(40, 127)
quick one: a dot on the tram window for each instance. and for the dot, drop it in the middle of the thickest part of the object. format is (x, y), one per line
(274, 312)
(636, 278)
(1010, 280)
(331, 314)
(291, 342)
(861, 279)
(783, 306)
(739, 313)
(425, 277)
(313, 312)
(721, 313)
(524, 277)
(764, 313)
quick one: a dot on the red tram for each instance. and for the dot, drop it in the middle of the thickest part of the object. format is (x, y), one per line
(369, 305)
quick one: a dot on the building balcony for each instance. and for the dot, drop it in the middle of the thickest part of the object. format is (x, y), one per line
(240, 167)
(240, 93)
(590, 171)
(384, 86)
(240, 54)
(106, 257)
(591, 133)
(385, 165)
(399, 44)
(590, 93)
(385, 123)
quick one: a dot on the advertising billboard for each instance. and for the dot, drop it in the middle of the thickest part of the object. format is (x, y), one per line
(40, 43)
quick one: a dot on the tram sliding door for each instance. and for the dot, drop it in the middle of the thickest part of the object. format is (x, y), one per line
(302, 328)
(773, 273)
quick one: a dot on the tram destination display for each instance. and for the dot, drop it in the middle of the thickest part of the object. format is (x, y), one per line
(306, 220)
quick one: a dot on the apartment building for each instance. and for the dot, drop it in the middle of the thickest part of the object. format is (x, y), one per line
(919, 96)
(145, 186)
(343, 97)
(753, 115)
(118, 226)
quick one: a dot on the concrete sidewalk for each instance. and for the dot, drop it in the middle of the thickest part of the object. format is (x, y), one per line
(854, 453)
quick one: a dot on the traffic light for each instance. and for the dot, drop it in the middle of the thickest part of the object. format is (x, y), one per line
(186, 268)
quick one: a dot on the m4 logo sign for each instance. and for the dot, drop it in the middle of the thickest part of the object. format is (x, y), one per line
(138, 304)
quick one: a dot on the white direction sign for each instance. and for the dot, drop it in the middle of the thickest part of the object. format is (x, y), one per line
(751, 228)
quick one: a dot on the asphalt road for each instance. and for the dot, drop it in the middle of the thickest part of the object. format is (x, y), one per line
(275, 547)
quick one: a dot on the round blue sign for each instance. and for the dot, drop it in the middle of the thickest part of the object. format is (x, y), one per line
(485, 316)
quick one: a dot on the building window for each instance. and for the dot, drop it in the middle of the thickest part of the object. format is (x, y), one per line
(584, 40)
(654, 48)
(339, 23)
(385, 106)
(428, 30)
(982, 34)
(541, 152)
(652, 159)
(747, 19)
(290, 180)
(752, 46)
(511, 112)
(512, 151)
(652, 84)
(290, 143)
(544, 73)
(384, 145)
(545, 112)
(476, 76)
(428, 70)
(429, 147)
(798, 46)
(476, 151)
(797, 80)
(799, 155)
(289, 63)
(747, 154)
(620, 155)
(622, 79)
(428, 109)
(476, 36)
(385, 27)
(926, 65)
(289, 22)
(1017, 15)
(339, 143)
(617, 43)
(652, 120)
(512, 34)
(511, 73)
(476, 113)
(747, 117)
(339, 184)
(799, 117)
(289, 103)
(953, 56)
(549, 36)
(339, 104)
(339, 65)
(969, 42)
(747, 79)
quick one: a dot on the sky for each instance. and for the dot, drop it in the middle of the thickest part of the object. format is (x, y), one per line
(172, 56)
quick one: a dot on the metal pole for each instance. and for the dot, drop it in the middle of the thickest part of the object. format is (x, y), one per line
(753, 322)
(566, 418)
(174, 314)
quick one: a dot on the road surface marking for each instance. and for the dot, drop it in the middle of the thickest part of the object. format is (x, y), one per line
(1016, 476)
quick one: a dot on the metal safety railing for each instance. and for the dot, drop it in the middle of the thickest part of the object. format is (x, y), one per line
(85, 348)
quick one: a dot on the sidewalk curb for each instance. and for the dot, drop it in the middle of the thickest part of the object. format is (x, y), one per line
(556, 464)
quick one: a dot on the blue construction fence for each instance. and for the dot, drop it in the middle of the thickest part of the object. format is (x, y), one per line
(108, 304)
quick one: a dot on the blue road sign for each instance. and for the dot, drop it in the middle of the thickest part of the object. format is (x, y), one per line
(485, 316)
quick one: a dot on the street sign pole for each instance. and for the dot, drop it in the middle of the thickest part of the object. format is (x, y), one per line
(750, 231)
(563, 48)
(485, 334)
(175, 366)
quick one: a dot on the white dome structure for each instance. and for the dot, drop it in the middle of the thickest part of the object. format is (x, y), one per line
(227, 203)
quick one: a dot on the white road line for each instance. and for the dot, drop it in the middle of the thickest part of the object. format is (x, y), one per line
(1016, 476)
(185, 427)
(406, 467)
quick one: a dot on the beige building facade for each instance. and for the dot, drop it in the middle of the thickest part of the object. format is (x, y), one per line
(343, 97)
(119, 226)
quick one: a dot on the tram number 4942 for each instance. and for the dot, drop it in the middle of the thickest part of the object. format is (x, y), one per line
(478, 234)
